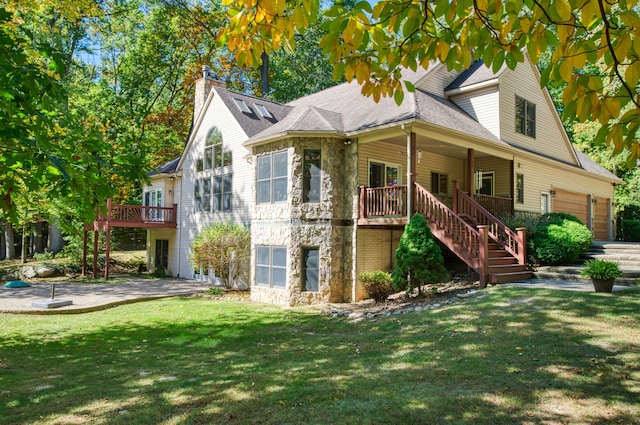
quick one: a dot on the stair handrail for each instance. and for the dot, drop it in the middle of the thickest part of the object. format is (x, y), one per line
(512, 242)
(447, 221)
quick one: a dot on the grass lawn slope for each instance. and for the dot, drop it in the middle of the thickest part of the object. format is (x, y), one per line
(514, 356)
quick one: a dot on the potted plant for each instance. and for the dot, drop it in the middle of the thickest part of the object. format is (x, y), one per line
(602, 274)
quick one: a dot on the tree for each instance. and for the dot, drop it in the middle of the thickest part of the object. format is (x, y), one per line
(419, 260)
(372, 43)
(223, 248)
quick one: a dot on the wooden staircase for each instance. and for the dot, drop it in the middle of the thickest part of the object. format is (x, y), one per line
(491, 249)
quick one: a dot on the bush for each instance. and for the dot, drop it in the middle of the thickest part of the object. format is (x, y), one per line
(418, 256)
(224, 248)
(378, 284)
(559, 217)
(560, 241)
(631, 230)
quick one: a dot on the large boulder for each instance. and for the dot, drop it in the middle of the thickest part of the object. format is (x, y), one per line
(28, 272)
(45, 271)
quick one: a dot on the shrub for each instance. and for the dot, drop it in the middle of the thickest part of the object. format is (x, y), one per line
(378, 284)
(224, 248)
(560, 241)
(631, 230)
(418, 256)
(558, 217)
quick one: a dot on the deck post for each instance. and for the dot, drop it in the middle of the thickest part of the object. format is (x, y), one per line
(363, 202)
(95, 254)
(483, 254)
(522, 245)
(84, 252)
(471, 155)
(107, 254)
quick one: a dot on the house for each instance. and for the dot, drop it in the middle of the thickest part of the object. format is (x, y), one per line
(327, 182)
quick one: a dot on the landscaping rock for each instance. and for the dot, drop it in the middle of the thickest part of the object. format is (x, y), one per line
(28, 272)
(45, 271)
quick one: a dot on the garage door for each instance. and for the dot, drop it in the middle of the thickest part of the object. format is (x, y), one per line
(572, 203)
(578, 205)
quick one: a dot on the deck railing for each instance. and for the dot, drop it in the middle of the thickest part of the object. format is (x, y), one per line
(512, 242)
(457, 231)
(383, 201)
(138, 216)
(498, 205)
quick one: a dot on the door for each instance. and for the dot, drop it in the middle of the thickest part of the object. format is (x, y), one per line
(153, 198)
(162, 255)
(545, 204)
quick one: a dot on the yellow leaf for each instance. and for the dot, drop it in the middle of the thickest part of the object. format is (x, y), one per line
(564, 32)
(632, 74)
(444, 50)
(566, 69)
(612, 106)
(590, 13)
(563, 7)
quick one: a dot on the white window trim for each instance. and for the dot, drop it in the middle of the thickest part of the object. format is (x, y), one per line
(387, 164)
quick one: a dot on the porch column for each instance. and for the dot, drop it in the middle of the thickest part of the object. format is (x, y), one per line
(471, 166)
(411, 174)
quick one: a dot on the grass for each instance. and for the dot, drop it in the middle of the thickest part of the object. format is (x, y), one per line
(514, 356)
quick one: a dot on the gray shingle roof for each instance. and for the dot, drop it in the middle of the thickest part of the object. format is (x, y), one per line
(477, 73)
(254, 122)
(166, 168)
(590, 165)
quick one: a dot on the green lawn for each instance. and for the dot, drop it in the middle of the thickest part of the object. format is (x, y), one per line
(514, 356)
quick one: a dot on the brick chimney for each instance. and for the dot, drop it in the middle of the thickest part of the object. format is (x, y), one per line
(203, 87)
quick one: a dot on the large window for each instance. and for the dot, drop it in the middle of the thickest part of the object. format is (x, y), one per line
(525, 117)
(310, 269)
(439, 183)
(214, 155)
(272, 178)
(520, 188)
(222, 193)
(271, 266)
(312, 167)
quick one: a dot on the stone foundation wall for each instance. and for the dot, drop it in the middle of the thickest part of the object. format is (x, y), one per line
(326, 225)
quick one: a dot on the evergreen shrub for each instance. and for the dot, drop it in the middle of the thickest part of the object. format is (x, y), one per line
(418, 256)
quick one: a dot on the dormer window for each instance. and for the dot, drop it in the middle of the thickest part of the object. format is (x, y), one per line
(525, 117)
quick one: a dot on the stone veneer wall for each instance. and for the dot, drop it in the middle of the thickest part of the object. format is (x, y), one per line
(327, 225)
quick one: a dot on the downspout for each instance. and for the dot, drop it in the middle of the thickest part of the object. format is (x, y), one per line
(409, 173)
(179, 222)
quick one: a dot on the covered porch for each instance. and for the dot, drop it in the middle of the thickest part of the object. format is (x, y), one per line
(390, 165)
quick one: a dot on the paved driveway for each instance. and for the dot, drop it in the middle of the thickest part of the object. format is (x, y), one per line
(87, 297)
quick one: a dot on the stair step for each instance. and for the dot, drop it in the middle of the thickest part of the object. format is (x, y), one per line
(509, 277)
(502, 260)
(506, 268)
(495, 253)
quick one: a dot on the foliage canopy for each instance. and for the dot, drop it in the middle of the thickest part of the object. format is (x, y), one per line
(372, 43)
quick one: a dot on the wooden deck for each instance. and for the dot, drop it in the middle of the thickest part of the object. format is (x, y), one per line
(139, 216)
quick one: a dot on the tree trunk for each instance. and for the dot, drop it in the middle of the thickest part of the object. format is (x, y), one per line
(3, 249)
(10, 249)
(55, 242)
(38, 237)
(23, 256)
(264, 74)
